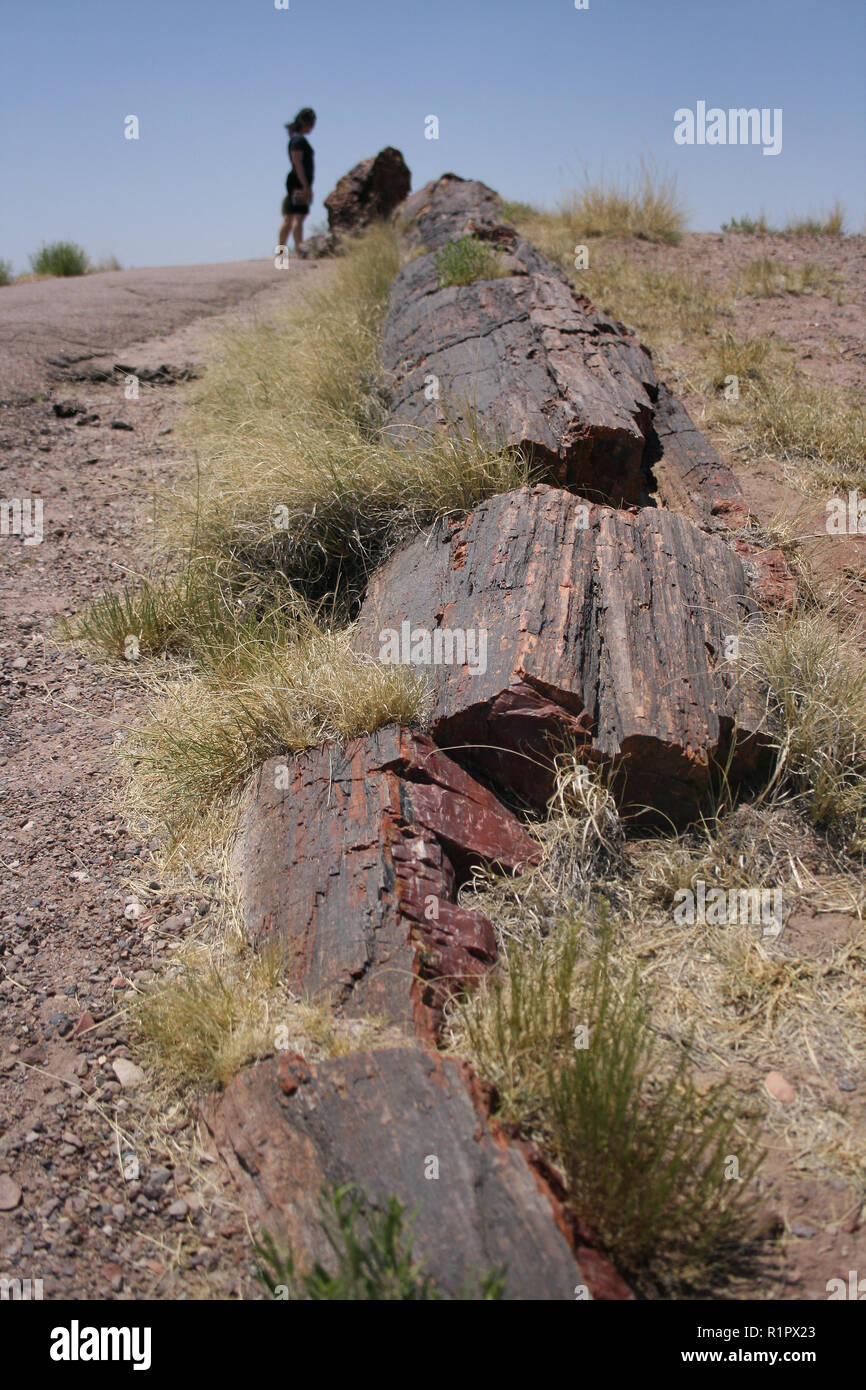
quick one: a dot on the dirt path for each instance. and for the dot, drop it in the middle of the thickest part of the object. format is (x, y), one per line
(82, 1207)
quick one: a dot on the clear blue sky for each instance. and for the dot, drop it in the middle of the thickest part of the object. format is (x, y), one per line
(527, 92)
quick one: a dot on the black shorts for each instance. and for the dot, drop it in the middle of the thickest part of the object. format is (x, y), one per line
(295, 202)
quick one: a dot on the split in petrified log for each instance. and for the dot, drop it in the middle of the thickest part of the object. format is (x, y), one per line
(605, 627)
(386, 1121)
(350, 858)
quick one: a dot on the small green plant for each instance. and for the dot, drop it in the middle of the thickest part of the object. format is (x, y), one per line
(5, 272)
(465, 260)
(751, 226)
(59, 258)
(373, 1258)
(569, 1045)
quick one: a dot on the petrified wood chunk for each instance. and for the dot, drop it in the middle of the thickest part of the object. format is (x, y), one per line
(447, 208)
(387, 1121)
(528, 363)
(607, 626)
(371, 189)
(351, 857)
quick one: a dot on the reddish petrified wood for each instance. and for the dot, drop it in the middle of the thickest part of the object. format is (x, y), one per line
(351, 859)
(606, 626)
(371, 189)
(400, 1122)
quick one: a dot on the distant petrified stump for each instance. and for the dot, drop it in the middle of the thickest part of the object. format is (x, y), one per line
(380, 1121)
(350, 858)
(608, 627)
(371, 189)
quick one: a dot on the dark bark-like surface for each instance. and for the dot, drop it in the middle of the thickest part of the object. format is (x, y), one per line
(526, 362)
(350, 858)
(385, 1121)
(447, 208)
(604, 625)
(372, 189)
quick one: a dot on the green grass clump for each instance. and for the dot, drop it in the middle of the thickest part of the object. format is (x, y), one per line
(465, 260)
(568, 1043)
(373, 1260)
(831, 223)
(5, 272)
(60, 258)
(750, 226)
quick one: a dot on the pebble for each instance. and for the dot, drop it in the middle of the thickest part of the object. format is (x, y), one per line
(178, 1209)
(128, 1074)
(779, 1087)
(10, 1194)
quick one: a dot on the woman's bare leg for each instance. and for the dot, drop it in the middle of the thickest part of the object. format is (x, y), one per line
(285, 228)
(298, 229)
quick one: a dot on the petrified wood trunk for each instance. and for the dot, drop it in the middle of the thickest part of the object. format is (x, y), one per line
(351, 858)
(605, 626)
(371, 189)
(447, 208)
(526, 362)
(404, 1123)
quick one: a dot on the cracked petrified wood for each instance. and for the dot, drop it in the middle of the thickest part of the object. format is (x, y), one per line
(526, 362)
(350, 859)
(400, 1122)
(447, 208)
(606, 626)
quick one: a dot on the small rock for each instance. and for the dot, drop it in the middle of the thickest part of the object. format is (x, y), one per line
(10, 1194)
(779, 1087)
(128, 1074)
(803, 1230)
(178, 1209)
(845, 1083)
(121, 425)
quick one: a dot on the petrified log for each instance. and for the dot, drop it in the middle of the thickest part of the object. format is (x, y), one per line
(526, 362)
(351, 858)
(447, 208)
(399, 1122)
(564, 618)
(372, 189)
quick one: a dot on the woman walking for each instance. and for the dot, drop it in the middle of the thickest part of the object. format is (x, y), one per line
(299, 184)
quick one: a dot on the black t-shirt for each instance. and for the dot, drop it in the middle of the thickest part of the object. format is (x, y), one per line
(300, 142)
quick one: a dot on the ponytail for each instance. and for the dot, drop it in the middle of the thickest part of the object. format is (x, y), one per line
(306, 116)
